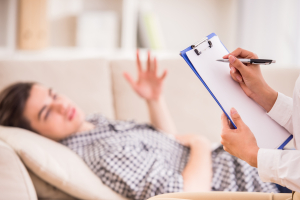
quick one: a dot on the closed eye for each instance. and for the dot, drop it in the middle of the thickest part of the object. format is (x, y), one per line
(54, 96)
(47, 114)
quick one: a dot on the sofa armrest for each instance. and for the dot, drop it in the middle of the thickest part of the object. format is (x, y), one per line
(223, 196)
(15, 182)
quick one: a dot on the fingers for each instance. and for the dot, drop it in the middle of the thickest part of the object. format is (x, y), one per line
(138, 62)
(155, 66)
(236, 63)
(129, 79)
(224, 119)
(235, 75)
(236, 118)
(163, 76)
(241, 53)
(149, 62)
(226, 132)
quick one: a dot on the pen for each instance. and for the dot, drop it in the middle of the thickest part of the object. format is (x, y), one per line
(252, 61)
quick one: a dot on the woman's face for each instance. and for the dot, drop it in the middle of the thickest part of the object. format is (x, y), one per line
(52, 115)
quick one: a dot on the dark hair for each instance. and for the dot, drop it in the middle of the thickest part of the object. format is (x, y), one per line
(12, 102)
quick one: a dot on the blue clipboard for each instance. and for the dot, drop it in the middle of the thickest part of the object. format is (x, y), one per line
(185, 57)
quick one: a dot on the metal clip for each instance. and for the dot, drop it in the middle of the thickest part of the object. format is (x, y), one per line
(267, 63)
(197, 52)
(198, 43)
(210, 43)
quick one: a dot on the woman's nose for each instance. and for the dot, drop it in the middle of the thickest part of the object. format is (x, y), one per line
(60, 106)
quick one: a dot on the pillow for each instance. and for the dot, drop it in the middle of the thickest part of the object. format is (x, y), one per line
(56, 164)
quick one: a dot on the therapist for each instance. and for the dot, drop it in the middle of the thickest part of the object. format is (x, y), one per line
(277, 166)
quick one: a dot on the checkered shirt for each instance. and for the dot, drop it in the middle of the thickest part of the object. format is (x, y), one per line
(134, 160)
(138, 162)
(233, 174)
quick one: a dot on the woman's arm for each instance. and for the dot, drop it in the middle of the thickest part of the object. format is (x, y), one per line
(149, 87)
(160, 116)
(197, 174)
(281, 167)
(282, 112)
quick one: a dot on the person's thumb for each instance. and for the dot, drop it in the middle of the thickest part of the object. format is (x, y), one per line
(129, 80)
(236, 118)
(237, 63)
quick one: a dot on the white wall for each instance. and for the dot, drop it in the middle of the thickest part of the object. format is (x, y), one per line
(182, 21)
(271, 29)
(186, 21)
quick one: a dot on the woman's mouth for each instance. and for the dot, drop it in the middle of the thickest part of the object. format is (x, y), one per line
(72, 113)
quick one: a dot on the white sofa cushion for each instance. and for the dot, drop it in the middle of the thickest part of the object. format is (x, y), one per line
(14, 182)
(56, 164)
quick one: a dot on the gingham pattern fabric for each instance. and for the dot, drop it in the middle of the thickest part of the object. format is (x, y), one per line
(233, 174)
(138, 162)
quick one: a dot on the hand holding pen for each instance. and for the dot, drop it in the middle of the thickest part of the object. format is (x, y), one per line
(250, 78)
(253, 84)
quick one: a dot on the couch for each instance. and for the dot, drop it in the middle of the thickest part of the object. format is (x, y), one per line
(96, 84)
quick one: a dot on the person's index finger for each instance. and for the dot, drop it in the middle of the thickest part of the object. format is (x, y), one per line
(149, 61)
(155, 65)
(138, 62)
(226, 56)
(242, 53)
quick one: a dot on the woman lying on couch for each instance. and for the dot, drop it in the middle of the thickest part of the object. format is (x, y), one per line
(135, 160)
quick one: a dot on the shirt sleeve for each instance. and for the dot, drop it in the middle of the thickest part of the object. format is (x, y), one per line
(281, 167)
(282, 111)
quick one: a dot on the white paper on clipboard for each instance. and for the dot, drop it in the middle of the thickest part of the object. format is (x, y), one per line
(217, 77)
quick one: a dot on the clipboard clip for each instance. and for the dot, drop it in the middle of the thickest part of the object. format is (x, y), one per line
(198, 43)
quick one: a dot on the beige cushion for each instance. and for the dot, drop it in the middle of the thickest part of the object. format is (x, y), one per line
(191, 106)
(281, 79)
(45, 190)
(56, 164)
(85, 81)
(15, 182)
(128, 105)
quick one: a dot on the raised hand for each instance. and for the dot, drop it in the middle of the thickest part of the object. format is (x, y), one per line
(149, 84)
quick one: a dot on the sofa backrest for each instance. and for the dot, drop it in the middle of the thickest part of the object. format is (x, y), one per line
(86, 81)
(98, 85)
(191, 106)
